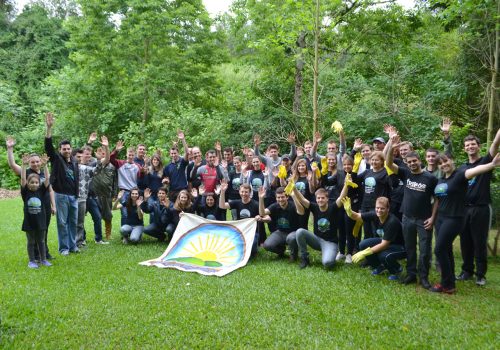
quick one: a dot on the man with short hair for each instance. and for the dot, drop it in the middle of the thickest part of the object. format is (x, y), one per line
(418, 214)
(283, 214)
(140, 157)
(209, 174)
(64, 179)
(474, 236)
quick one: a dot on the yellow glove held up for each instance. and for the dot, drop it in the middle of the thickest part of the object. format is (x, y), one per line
(337, 127)
(289, 188)
(282, 173)
(315, 165)
(324, 166)
(357, 161)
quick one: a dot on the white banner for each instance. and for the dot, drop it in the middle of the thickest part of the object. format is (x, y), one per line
(208, 247)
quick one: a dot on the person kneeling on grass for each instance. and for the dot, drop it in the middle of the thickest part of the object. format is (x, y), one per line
(325, 214)
(132, 216)
(283, 215)
(34, 224)
(159, 212)
(384, 251)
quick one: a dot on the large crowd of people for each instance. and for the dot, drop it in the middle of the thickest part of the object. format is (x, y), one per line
(377, 204)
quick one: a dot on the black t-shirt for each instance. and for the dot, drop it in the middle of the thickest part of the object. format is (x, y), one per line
(233, 187)
(451, 194)
(390, 230)
(418, 192)
(325, 223)
(478, 192)
(286, 219)
(46, 198)
(256, 180)
(34, 208)
(212, 213)
(375, 184)
(245, 211)
(302, 185)
(331, 183)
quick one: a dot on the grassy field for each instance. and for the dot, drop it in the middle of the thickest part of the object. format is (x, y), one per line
(102, 299)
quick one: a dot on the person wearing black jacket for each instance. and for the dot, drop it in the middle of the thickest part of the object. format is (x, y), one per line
(160, 213)
(64, 180)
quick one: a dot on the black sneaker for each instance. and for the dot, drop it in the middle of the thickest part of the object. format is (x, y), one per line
(409, 279)
(464, 276)
(304, 262)
(424, 282)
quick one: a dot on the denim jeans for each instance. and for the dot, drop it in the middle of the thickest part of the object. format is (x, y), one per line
(95, 213)
(328, 249)
(154, 230)
(67, 216)
(81, 235)
(412, 228)
(133, 233)
(388, 257)
(276, 242)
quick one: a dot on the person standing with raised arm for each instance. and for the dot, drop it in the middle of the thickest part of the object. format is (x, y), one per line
(64, 179)
(175, 172)
(474, 236)
(34, 163)
(419, 212)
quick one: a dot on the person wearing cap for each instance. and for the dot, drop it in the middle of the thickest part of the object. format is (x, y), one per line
(378, 144)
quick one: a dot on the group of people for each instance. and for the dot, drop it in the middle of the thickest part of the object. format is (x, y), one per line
(380, 191)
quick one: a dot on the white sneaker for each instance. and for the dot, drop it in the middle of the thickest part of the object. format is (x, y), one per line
(101, 242)
(348, 259)
(340, 256)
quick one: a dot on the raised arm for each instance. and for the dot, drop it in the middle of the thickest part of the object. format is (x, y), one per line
(24, 164)
(263, 212)
(445, 129)
(346, 201)
(256, 145)
(495, 144)
(49, 147)
(222, 198)
(45, 161)
(303, 201)
(10, 142)
(484, 168)
(105, 147)
(298, 206)
(181, 136)
(389, 156)
(293, 148)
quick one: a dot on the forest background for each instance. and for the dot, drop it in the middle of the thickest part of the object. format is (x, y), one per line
(138, 70)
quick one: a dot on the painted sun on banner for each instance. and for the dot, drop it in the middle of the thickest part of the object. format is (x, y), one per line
(208, 247)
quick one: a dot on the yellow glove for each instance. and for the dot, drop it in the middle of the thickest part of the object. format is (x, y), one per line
(324, 166)
(337, 127)
(314, 165)
(346, 201)
(282, 173)
(357, 161)
(348, 181)
(389, 171)
(356, 258)
(357, 228)
(289, 188)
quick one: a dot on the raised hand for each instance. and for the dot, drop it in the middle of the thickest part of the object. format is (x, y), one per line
(223, 164)
(92, 138)
(44, 159)
(291, 138)
(218, 146)
(139, 201)
(262, 192)
(104, 141)
(49, 120)
(119, 145)
(25, 159)
(446, 125)
(10, 142)
(147, 194)
(223, 186)
(180, 135)
(276, 171)
(120, 194)
(390, 130)
(357, 144)
(165, 181)
(201, 189)
(256, 139)
(317, 137)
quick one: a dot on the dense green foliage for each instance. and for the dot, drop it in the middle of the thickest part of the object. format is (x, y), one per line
(103, 299)
(138, 70)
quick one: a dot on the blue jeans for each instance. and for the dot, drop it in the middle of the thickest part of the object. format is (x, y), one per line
(328, 249)
(95, 213)
(67, 217)
(389, 257)
(133, 233)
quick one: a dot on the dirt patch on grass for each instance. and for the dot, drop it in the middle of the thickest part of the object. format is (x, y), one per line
(4, 194)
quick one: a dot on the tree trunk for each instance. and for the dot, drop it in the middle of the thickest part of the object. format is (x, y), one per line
(316, 70)
(299, 67)
(492, 108)
(145, 112)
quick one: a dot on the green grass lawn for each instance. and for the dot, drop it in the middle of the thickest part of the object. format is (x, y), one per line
(102, 299)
